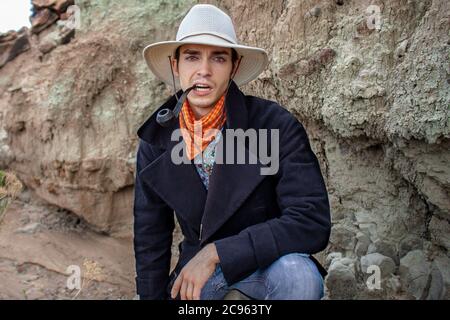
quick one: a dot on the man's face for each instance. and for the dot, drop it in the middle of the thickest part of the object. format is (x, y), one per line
(206, 65)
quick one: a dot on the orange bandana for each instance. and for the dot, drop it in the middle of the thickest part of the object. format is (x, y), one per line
(197, 134)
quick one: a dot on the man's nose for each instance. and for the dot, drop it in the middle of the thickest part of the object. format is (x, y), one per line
(204, 68)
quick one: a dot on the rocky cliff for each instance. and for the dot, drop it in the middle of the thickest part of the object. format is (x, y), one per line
(368, 79)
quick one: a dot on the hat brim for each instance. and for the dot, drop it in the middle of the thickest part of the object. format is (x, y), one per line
(254, 60)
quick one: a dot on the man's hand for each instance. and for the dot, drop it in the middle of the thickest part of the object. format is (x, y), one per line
(195, 273)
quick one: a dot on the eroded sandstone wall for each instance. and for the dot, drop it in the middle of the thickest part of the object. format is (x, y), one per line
(69, 116)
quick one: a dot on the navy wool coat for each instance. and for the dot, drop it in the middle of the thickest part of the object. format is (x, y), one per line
(253, 219)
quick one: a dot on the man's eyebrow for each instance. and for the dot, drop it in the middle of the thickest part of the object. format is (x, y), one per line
(221, 52)
(191, 51)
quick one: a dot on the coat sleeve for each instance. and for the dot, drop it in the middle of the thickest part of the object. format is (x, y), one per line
(153, 227)
(304, 225)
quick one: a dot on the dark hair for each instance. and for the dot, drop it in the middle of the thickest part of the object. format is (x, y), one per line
(234, 55)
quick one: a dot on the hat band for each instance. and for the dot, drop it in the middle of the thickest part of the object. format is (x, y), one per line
(222, 37)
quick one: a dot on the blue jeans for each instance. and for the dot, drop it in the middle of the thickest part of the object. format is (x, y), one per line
(291, 277)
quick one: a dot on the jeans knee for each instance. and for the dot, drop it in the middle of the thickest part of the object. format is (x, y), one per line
(294, 276)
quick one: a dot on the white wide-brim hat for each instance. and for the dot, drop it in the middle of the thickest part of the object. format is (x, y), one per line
(208, 25)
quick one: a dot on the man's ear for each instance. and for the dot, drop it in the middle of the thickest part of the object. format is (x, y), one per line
(233, 69)
(175, 67)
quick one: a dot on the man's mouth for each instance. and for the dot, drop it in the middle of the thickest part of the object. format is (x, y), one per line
(202, 89)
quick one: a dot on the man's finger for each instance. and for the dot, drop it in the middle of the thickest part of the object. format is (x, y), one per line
(189, 290)
(183, 289)
(197, 292)
(176, 286)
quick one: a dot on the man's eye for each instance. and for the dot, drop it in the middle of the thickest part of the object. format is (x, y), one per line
(220, 59)
(191, 58)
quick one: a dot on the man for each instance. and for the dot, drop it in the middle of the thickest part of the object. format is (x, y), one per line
(244, 231)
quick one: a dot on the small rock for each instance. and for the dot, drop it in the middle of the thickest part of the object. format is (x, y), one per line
(314, 12)
(25, 195)
(386, 264)
(349, 262)
(41, 4)
(393, 283)
(343, 237)
(332, 256)
(6, 156)
(401, 49)
(440, 231)
(414, 273)
(341, 281)
(31, 277)
(42, 19)
(442, 263)
(362, 244)
(361, 216)
(55, 38)
(384, 248)
(8, 36)
(409, 243)
(62, 5)
(437, 289)
(12, 46)
(65, 35)
(57, 5)
(47, 45)
(29, 228)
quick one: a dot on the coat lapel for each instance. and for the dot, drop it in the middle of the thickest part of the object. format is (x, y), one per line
(178, 185)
